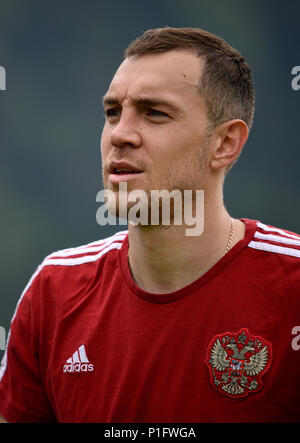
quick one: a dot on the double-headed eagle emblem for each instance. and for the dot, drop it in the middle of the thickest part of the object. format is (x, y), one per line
(237, 362)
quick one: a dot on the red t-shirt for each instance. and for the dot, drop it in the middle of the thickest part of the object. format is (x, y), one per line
(87, 345)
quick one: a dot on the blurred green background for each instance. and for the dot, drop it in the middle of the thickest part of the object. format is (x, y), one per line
(59, 58)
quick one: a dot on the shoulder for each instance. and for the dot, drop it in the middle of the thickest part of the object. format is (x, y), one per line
(69, 266)
(88, 253)
(277, 253)
(67, 274)
(275, 240)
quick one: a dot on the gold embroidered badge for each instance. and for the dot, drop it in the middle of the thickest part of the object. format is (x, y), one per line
(237, 362)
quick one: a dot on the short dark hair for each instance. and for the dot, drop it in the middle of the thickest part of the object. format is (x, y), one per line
(225, 84)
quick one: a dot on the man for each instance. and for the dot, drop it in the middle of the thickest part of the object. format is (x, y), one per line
(155, 325)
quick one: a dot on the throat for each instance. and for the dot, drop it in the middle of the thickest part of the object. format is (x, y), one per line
(169, 261)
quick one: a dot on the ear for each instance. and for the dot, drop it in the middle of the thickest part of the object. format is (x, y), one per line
(230, 139)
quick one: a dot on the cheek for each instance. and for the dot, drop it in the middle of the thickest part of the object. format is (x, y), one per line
(182, 161)
(104, 142)
(177, 150)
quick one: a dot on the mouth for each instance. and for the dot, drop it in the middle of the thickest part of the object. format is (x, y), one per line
(122, 171)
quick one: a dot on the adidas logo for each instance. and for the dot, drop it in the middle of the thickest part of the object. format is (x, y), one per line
(78, 362)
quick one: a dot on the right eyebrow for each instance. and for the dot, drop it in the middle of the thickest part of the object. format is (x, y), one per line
(109, 100)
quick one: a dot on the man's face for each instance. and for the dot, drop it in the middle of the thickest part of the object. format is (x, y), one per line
(155, 134)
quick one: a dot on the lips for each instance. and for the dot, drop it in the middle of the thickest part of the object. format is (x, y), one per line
(125, 171)
(120, 168)
(122, 171)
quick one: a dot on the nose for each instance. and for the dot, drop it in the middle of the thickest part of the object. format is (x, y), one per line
(126, 132)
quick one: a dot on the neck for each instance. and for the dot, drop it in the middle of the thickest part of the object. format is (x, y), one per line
(164, 259)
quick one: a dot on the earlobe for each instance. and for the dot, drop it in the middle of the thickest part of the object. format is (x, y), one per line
(230, 140)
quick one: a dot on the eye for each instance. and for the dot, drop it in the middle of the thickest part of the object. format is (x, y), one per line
(155, 113)
(112, 112)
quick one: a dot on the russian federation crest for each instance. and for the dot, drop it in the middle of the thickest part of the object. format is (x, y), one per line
(237, 362)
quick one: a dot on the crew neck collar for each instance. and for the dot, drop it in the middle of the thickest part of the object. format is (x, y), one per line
(177, 295)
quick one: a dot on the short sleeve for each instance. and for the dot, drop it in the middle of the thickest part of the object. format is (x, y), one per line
(23, 395)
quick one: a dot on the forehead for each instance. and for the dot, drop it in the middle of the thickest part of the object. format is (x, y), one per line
(175, 73)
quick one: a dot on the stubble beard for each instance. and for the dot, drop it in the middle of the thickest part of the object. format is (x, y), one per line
(191, 179)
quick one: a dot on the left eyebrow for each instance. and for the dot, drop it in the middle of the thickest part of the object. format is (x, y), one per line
(109, 100)
(153, 101)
